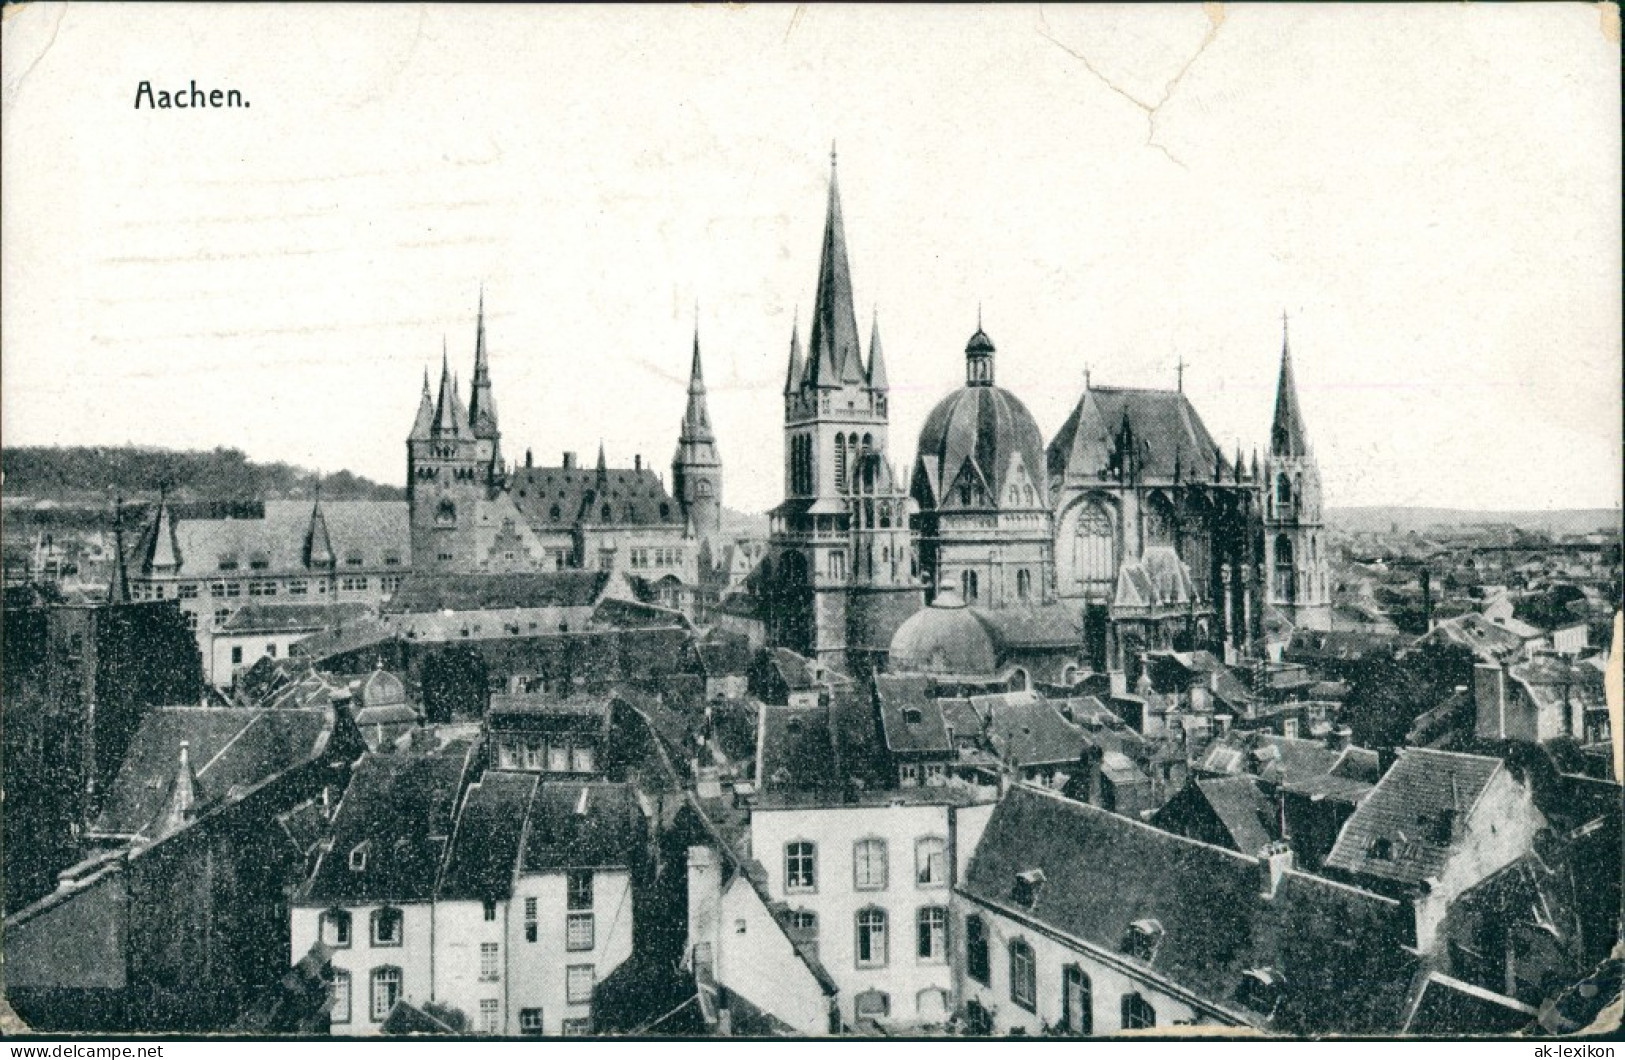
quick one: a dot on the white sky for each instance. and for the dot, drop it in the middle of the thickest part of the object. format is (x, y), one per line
(1432, 192)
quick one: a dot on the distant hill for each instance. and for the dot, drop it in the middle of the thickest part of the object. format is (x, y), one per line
(94, 475)
(1557, 521)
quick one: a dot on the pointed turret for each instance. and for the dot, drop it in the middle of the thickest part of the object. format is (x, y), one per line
(446, 420)
(318, 546)
(118, 587)
(603, 465)
(180, 805)
(423, 425)
(696, 468)
(877, 360)
(482, 406)
(1287, 436)
(833, 349)
(792, 378)
(163, 551)
(696, 418)
(459, 411)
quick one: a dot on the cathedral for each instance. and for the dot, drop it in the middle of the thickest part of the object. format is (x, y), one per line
(1130, 527)
(472, 513)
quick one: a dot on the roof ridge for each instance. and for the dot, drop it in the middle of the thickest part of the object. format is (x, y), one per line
(1149, 828)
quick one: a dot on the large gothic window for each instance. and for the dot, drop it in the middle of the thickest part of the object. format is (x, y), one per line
(840, 463)
(1285, 576)
(1095, 548)
(1159, 521)
(1283, 492)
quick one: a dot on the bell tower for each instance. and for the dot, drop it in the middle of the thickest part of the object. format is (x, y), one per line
(1295, 567)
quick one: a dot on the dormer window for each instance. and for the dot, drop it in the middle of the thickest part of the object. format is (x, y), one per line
(1380, 849)
(358, 857)
(228, 562)
(1142, 938)
(1260, 989)
(1028, 885)
(386, 927)
(913, 715)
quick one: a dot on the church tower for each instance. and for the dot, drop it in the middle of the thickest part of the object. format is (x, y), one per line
(696, 469)
(448, 469)
(843, 577)
(1295, 567)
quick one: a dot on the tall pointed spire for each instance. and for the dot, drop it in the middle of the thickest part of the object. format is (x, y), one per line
(603, 465)
(445, 411)
(482, 406)
(318, 545)
(696, 418)
(423, 423)
(877, 360)
(1287, 436)
(118, 588)
(163, 551)
(180, 806)
(833, 347)
(792, 378)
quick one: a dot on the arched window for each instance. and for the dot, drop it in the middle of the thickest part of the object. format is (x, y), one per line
(386, 927)
(1159, 520)
(1029, 496)
(605, 514)
(872, 949)
(1094, 548)
(665, 511)
(338, 994)
(1283, 490)
(977, 965)
(1077, 1001)
(1024, 585)
(1023, 975)
(702, 488)
(446, 513)
(968, 586)
(965, 493)
(1019, 681)
(1286, 580)
(553, 513)
(871, 1004)
(386, 990)
(931, 1004)
(335, 928)
(1137, 1013)
(840, 463)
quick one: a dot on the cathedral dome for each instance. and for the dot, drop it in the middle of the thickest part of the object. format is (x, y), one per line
(980, 440)
(944, 639)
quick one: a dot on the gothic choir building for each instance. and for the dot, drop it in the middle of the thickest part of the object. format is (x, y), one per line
(1129, 532)
(473, 514)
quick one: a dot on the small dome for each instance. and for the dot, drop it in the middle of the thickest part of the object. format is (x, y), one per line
(979, 343)
(945, 639)
(381, 689)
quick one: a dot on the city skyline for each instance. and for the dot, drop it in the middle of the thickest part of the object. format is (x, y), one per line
(1456, 338)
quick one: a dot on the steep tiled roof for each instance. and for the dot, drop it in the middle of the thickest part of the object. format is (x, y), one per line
(291, 618)
(1473, 631)
(231, 751)
(583, 826)
(1242, 809)
(1027, 731)
(1337, 950)
(1411, 812)
(485, 846)
(796, 749)
(428, 593)
(1163, 420)
(1449, 1006)
(365, 632)
(635, 497)
(911, 720)
(1032, 626)
(366, 530)
(1285, 759)
(391, 829)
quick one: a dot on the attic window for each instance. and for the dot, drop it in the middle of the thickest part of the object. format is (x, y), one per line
(259, 561)
(228, 562)
(1028, 884)
(913, 715)
(1260, 989)
(358, 858)
(1142, 938)
(1380, 849)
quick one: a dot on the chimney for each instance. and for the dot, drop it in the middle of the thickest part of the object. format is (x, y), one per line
(569, 461)
(1340, 738)
(1277, 859)
(528, 462)
(704, 905)
(637, 462)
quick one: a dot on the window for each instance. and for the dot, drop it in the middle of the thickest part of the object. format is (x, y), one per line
(188, 591)
(581, 759)
(298, 588)
(578, 932)
(577, 1028)
(800, 867)
(530, 1021)
(490, 1016)
(1137, 1013)
(1023, 975)
(530, 920)
(578, 889)
(191, 620)
(1027, 886)
(270, 650)
(386, 927)
(358, 857)
(968, 586)
(262, 588)
(871, 1004)
(578, 983)
(1381, 849)
(228, 562)
(490, 962)
(931, 862)
(1285, 575)
(490, 911)
(1024, 585)
(558, 758)
(338, 994)
(353, 585)
(931, 925)
(1077, 1001)
(335, 928)
(871, 938)
(392, 559)
(236, 655)
(386, 990)
(259, 561)
(354, 559)
(977, 965)
(234, 588)
(1094, 547)
(869, 864)
(221, 616)
(1141, 939)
